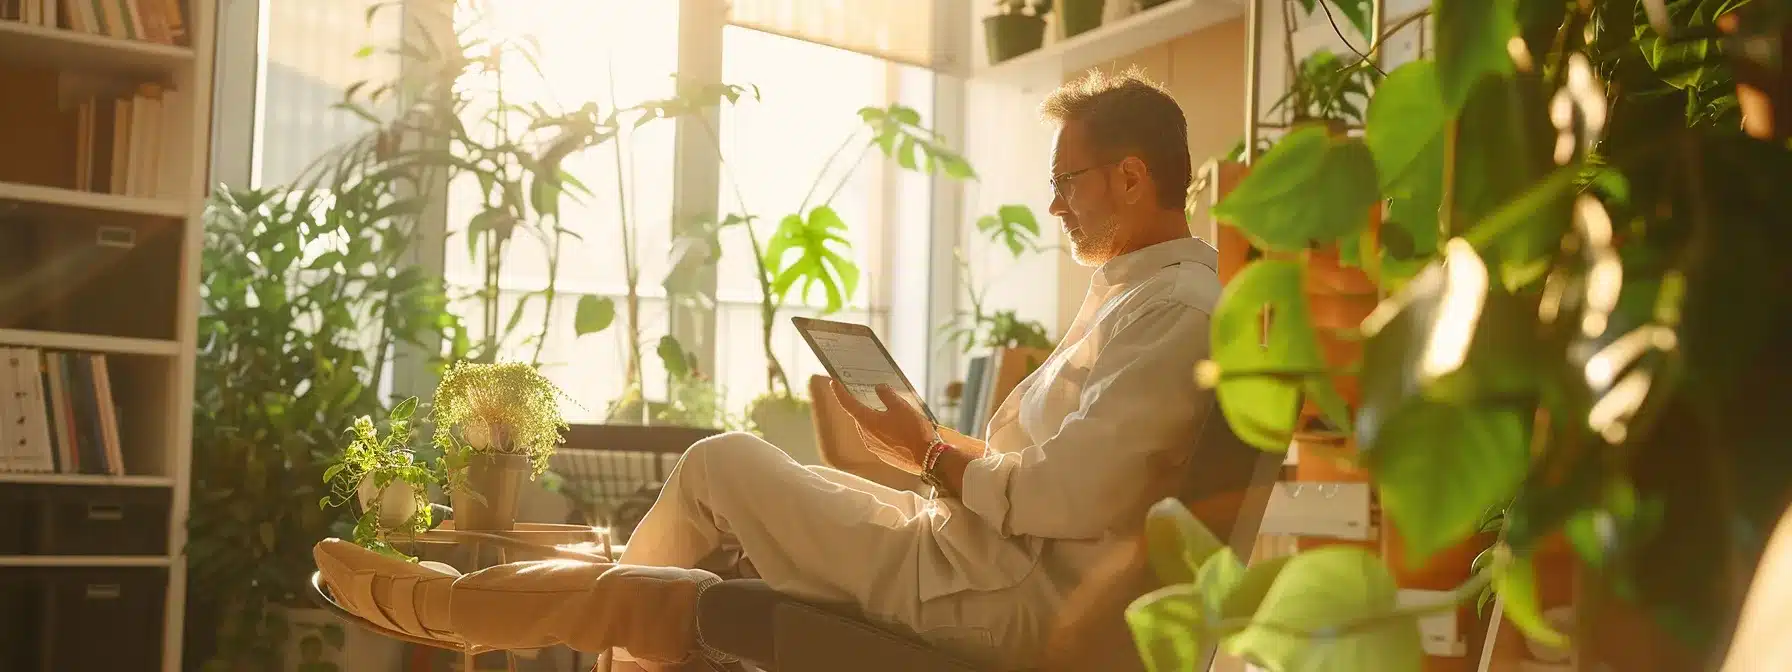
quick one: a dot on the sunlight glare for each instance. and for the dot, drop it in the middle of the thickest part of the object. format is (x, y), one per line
(1459, 311)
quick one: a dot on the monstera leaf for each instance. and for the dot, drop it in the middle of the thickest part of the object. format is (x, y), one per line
(1014, 226)
(817, 256)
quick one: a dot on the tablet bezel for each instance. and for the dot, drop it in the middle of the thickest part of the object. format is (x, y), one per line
(804, 325)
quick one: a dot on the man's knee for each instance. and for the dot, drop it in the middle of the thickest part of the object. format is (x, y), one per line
(729, 452)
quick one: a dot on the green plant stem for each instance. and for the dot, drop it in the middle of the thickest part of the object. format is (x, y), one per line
(852, 168)
(768, 313)
(631, 269)
(768, 307)
(825, 165)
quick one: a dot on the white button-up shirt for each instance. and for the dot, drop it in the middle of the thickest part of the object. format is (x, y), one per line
(1075, 447)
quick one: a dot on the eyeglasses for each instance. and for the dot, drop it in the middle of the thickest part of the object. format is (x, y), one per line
(1061, 179)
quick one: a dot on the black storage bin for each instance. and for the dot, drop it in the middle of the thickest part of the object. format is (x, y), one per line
(83, 520)
(69, 619)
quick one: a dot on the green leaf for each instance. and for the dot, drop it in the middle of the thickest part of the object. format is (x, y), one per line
(594, 314)
(672, 354)
(1247, 595)
(1406, 132)
(820, 258)
(1310, 188)
(1471, 42)
(1331, 609)
(403, 410)
(1515, 579)
(956, 167)
(1441, 465)
(1168, 627)
(1440, 454)
(1176, 542)
(1013, 226)
(1219, 576)
(1357, 11)
(1260, 387)
(1504, 147)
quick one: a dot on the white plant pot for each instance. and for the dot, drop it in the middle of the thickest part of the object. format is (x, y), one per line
(789, 427)
(397, 501)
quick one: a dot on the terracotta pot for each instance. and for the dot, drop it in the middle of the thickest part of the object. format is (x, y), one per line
(496, 479)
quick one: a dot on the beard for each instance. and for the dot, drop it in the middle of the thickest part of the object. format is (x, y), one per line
(1092, 244)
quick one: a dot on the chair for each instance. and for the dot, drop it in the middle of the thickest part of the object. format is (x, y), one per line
(746, 619)
(837, 439)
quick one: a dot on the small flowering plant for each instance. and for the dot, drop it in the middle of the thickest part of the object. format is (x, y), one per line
(497, 408)
(389, 479)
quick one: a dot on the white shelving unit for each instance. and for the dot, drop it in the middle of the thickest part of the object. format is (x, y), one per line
(1127, 35)
(145, 283)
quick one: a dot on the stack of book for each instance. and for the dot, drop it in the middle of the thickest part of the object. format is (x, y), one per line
(118, 142)
(987, 382)
(157, 21)
(57, 413)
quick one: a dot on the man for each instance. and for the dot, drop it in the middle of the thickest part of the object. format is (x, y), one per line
(1019, 517)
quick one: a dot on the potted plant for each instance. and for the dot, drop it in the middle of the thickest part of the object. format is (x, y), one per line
(1076, 17)
(1016, 229)
(806, 250)
(496, 425)
(290, 349)
(1591, 344)
(383, 474)
(1012, 31)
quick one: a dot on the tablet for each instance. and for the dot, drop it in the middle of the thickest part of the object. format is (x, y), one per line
(853, 355)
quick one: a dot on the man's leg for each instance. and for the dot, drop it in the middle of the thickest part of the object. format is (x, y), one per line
(810, 532)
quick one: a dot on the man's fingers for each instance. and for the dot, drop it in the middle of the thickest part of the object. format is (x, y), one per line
(892, 400)
(858, 410)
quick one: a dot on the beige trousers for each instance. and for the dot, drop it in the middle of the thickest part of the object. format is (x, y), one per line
(825, 535)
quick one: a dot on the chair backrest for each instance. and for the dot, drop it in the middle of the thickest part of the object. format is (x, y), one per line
(1228, 483)
(837, 440)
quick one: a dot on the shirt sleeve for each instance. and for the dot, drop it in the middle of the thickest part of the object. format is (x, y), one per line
(1138, 411)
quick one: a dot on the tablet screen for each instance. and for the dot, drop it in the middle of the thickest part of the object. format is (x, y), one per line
(860, 363)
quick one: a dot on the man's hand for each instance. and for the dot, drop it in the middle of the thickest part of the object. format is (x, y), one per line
(898, 435)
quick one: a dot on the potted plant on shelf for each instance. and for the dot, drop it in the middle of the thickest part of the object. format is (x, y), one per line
(1012, 31)
(496, 424)
(384, 475)
(1076, 17)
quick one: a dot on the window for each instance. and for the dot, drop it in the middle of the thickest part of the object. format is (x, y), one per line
(610, 53)
(622, 52)
(775, 148)
(308, 61)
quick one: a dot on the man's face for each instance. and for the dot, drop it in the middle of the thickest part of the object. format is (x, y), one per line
(1084, 197)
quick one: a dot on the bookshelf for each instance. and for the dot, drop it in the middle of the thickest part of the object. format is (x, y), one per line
(100, 236)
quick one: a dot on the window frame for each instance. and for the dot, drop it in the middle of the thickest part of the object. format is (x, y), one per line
(697, 174)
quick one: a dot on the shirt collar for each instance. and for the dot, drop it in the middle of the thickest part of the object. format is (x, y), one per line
(1142, 263)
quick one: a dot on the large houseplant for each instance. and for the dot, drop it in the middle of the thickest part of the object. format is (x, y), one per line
(304, 300)
(1594, 338)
